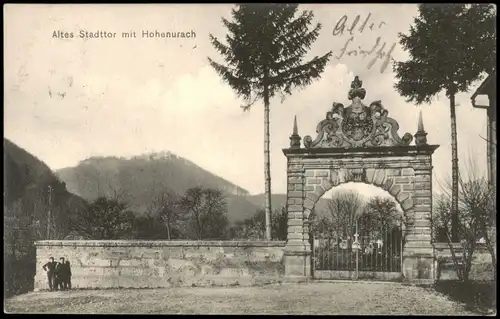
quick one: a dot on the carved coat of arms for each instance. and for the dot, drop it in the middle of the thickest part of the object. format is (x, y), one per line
(357, 125)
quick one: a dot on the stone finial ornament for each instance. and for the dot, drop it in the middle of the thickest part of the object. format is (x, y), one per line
(357, 89)
(357, 125)
(295, 128)
(421, 135)
(295, 138)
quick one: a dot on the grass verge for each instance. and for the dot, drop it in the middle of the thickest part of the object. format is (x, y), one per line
(478, 296)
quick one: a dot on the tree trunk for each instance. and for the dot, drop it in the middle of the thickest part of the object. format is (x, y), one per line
(454, 172)
(468, 254)
(267, 164)
(168, 231)
(458, 266)
(198, 225)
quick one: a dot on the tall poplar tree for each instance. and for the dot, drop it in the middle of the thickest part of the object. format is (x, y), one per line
(264, 56)
(450, 47)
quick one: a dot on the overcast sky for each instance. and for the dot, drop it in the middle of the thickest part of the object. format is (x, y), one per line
(69, 99)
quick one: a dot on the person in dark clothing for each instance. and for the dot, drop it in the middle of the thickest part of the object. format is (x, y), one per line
(68, 275)
(60, 274)
(50, 268)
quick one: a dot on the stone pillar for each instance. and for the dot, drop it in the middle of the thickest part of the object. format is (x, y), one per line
(297, 249)
(418, 253)
(308, 245)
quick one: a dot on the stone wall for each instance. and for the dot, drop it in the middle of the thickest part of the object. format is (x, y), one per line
(442, 252)
(482, 267)
(155, 264)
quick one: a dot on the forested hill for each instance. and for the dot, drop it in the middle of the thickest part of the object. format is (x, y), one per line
(137, 180)
(27, 182)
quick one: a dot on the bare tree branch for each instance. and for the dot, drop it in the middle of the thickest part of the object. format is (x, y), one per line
(477, 213)
(488, 141)
(344, 207)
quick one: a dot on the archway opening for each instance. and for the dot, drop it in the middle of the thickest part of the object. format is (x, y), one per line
(357, 228)
(361, 143)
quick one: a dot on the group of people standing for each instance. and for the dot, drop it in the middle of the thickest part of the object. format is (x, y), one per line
(58, 274)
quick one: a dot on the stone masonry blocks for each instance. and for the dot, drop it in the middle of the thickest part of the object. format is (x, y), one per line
(370, 175)
(309, 173)
(406, 177)
(393, 172)
(422, 193)
(313, 181)
(322, 173)
(424, 178)
(327, 184)
(407, 187)
(299, 201)
(423, 169)
(295, 215)
(402, 196)
(295, 194)
(395, 190)
(293, 201)
(312, 196)
(294, 222)
(309, 204)
(307, 212)
(295, 180)
(319, 191)
(422, 186)
(294, 237)
(294, 208)
(423, 201)
(380, 177)
(408, 171)
(402, 179)
(334, 177)
(387, 184)
(295, 229)
(422, 208)
(341, 176)
(164, 264)
(407, 204)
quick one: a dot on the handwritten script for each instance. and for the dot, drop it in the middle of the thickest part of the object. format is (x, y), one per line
(377, 51)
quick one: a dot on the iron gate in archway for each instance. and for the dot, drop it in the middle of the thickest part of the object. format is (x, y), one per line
(363, 253)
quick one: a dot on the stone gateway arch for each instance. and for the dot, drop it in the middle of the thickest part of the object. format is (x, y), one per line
(360, 143)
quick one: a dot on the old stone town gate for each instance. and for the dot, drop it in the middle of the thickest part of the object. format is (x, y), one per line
(360, 143)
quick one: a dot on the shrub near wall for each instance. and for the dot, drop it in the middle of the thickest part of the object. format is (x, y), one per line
(158, 264)
(482, 267)
(19, 272)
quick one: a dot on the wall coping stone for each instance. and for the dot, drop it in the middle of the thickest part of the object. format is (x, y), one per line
(159, 243)
(297, 252)
(444, 246)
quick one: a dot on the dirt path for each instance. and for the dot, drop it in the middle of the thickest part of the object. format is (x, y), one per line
(313, 298)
